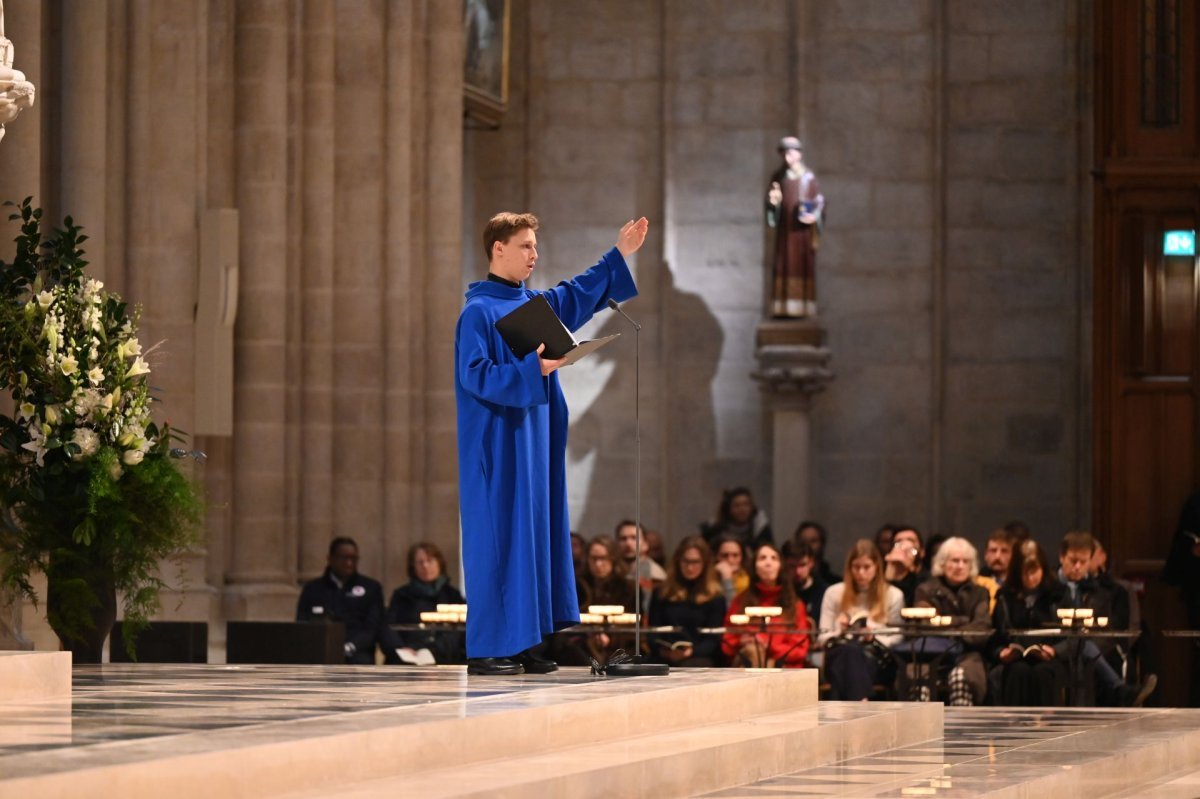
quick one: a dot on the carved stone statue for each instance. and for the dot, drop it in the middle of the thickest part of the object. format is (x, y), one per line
(796, 211)
(16, 93)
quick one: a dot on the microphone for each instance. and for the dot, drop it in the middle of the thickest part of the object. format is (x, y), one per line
(613, 304)
(636, 667)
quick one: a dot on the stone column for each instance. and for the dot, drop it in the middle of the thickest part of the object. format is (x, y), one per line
(82, 122)
(399, 286)
(20, 176)
(442, 298)
(358, 272)
(261, 581)
(317, 286)
(165, 191)
(792, 367)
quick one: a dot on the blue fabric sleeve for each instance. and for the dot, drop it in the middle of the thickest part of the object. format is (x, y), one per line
(577, 300)
(518, 384)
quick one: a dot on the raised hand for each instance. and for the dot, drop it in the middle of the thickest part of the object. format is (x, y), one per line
(632, 235)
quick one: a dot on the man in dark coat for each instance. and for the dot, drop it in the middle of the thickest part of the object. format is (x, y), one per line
(342, 594)
(512, 439)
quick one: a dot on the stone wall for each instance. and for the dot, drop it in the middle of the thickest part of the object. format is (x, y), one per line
(334, 129)
(950, 138)
(951, 143)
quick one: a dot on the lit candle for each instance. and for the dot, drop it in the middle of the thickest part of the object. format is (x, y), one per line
(1066, 622)
(1102, 621)
(739, 619)
(1083, 613)
(918, 613)
(764, 611)
(591, 618)
(1066, 613)
(462, 609)
(606, 610)
(1087, 622)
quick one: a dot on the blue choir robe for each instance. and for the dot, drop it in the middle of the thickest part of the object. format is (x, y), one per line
(512, 476)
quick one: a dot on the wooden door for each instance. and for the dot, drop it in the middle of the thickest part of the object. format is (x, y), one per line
(1147, 300)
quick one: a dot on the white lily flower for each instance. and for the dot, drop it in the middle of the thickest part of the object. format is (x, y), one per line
(95, 375)
(69, 365)
(130, 349)
(132, 457)
(139, 367)
(44, 298)
(34, 445)
(27, 411)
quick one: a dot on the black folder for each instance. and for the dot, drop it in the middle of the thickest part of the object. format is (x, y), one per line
(535, 323)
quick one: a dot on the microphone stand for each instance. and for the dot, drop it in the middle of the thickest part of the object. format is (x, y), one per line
(636, 667)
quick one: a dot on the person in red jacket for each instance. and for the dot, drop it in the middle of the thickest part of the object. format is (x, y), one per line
(769, 587)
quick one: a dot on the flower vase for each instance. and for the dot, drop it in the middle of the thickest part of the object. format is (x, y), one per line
(82, 619)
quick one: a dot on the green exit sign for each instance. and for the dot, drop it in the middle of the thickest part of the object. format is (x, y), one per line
(1179, 242)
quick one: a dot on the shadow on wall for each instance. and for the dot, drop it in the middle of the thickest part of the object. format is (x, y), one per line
(604, 433)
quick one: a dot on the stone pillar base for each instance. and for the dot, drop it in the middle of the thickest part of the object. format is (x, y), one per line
(259, 602)
(793, 365)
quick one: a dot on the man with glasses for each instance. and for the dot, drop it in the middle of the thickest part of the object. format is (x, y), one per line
(342, 594)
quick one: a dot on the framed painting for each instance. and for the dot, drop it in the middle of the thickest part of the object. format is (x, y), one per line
(485, 72)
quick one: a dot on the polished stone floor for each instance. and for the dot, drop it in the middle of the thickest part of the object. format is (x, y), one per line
(151, 716)
(1017, 752)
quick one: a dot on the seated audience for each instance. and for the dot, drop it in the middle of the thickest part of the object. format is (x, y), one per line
(952, 591)
(1182, 569)
(997, 555)
(1030, 672)
(578, 550)
(627, 540)
(690, 598)
(602, 582)
(815, 536)
(800, 567)
(740, 519)
(1019, 531)
(428, 586)
(769, 587)
(654, 547)
(1075, 558)
(730, 555)
(885, 537)
(903, 562)
(865, 601)
(342, 594)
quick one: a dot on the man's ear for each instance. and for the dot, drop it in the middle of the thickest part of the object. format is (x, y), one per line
(497, 247)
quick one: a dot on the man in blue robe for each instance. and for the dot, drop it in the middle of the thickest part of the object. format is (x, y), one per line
(512, 442)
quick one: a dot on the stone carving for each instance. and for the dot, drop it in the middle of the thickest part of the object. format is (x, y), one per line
(16, 93)
(796, 211)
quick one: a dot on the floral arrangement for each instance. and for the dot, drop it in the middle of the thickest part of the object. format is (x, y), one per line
(90, 494)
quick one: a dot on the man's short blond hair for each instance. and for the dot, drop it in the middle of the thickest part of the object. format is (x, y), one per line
(502, 226)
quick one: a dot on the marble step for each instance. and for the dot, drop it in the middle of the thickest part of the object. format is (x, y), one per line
(457, 721)
(1018, 753)
(30, 676)
(680, 763)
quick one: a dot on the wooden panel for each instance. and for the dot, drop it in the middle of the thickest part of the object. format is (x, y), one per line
(1147, 50)
(1146, 311)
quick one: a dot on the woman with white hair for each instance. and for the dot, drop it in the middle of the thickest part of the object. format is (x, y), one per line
(953, 592)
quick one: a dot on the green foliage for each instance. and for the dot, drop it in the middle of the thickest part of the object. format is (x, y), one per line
(88, 491)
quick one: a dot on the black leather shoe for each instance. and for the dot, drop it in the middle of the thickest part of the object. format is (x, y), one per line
(534, 664)
(494, 666)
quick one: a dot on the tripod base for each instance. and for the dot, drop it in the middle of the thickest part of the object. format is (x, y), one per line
(632, 669)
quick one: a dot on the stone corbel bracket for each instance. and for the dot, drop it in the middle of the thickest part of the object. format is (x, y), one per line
(792, 371)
